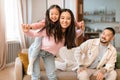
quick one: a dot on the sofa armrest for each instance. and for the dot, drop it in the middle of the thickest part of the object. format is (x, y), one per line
(18, 69)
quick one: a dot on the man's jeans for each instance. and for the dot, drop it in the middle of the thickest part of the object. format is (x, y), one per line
(85, 74)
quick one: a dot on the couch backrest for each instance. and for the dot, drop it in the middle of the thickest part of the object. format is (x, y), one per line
(42, 68)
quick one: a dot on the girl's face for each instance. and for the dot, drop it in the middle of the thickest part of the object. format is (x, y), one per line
(65, 20)
(54, 14)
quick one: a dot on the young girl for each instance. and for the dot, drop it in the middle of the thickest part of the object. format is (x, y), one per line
(52, 16)
(63, 34)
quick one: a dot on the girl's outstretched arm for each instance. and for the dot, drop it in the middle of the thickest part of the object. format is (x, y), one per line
(33, 26)
(37, 25)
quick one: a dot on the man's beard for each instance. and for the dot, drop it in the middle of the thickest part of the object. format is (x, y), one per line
(103, 41)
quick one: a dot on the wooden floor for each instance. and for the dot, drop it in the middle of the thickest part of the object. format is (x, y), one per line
(7, 73)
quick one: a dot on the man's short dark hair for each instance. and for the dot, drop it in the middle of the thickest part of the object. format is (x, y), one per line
(111, 29)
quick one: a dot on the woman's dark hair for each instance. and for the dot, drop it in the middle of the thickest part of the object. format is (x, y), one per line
(49, 25)
(70, 33)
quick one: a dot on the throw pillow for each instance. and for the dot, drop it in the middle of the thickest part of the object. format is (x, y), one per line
(24, 59)
(117, 64)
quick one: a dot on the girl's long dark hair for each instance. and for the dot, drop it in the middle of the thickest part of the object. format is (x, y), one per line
(49, 25)
(70, 33)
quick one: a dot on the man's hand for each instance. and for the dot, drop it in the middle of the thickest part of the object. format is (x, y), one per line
(100, 76)
(81, 69)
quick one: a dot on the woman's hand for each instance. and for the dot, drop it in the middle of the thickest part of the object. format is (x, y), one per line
(81, 25)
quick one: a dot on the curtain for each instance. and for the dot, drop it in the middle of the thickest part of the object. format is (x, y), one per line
(22, 18)
(21, 6)
(2, 36)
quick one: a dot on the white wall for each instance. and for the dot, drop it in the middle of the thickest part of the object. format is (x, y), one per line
(36, 10)
(58, 2)
(71, 4)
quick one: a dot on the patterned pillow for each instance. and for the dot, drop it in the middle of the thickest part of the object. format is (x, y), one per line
(117, 64)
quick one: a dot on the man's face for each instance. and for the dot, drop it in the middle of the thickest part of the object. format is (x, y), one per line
(106, 36)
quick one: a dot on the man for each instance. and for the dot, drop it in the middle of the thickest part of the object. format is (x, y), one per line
(97, 57)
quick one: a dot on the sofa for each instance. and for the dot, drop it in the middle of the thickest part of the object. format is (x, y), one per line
(61, 75)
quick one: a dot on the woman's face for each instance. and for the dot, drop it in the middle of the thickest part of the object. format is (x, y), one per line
(65, 20)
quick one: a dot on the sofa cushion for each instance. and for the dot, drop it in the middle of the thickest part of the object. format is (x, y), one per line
(118, 74)
(66, 75)
(24, 59)
(117, 64)
(61, 75)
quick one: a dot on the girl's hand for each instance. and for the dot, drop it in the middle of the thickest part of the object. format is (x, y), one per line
(25, 27)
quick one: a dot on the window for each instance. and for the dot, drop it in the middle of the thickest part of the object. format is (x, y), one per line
(11, 20)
